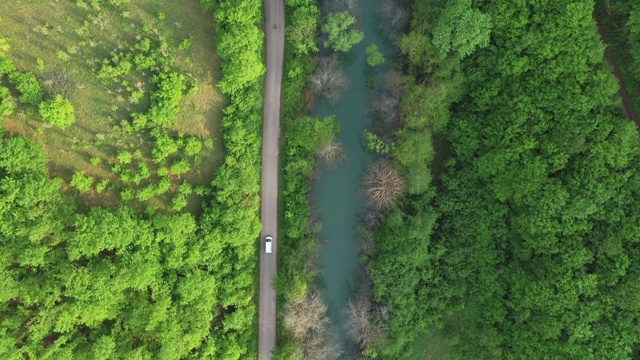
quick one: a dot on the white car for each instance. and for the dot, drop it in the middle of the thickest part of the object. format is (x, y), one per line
(267, 244)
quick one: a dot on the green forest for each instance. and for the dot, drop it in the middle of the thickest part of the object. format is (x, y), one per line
(526, 242)
(503, 213)
(90, 275)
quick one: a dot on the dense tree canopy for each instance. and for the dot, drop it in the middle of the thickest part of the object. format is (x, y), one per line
(460, 29)
(536, 226)
(117, 284)
(101, 284)
(631, 31)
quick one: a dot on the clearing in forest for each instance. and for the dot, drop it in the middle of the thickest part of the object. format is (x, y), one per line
(141, 77)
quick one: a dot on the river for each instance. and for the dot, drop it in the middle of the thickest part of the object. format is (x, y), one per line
(337, 194)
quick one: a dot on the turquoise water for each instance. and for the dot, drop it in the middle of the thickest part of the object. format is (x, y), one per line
(338, 197)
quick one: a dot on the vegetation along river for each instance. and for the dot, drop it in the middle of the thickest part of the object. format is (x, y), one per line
(338, 196)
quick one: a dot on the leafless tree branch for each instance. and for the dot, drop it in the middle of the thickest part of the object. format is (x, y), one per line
(383, 184)
(331, 153)
(394, 15)
(329, 81)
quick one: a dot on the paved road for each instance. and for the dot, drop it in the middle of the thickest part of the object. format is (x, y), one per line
(274, 26)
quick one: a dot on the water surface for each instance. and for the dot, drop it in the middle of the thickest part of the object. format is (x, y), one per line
(338, 196)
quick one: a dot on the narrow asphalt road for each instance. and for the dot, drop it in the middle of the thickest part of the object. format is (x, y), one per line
(274, 27)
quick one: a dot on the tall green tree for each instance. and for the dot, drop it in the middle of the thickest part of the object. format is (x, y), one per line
(461, 29)
(340, 35)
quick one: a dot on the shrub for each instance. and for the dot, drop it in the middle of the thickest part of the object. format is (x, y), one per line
(192, 89)
(147, 192)
(202, 190)
(192, 147)
(164, 146)
(127, 194)
(62, 55)
(143, 170)
(58, 112)
(124, 157)
(374, 56)
(40, 64)
(127, 176)
(6, 102)
(166, 99)
(150, 210)
(374, 144)
(6, 65)
(185, 44)
(81, 182)
(28, 86)
(178, 203)
(102, 185)
(163, 186)
(95, 160)
(118, 2)
(180, 167)
(185, 188)
(137, 179)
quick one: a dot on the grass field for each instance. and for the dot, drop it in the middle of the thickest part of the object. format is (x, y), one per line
(431, 346)
(63, 42)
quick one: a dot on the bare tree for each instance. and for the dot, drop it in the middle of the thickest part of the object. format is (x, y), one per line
(57, 82)
(387, 104)
(386, 107)
(305, 317)
(366, 242)
(394, 15)
(309, 326)
(311, 263)
(329, 81)
(355, 353)
(363, 326)
(323, 346)
(383, 184)
(351, 6)
(366, 320)
(395, 83)
(359, 328)
(331, 153)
